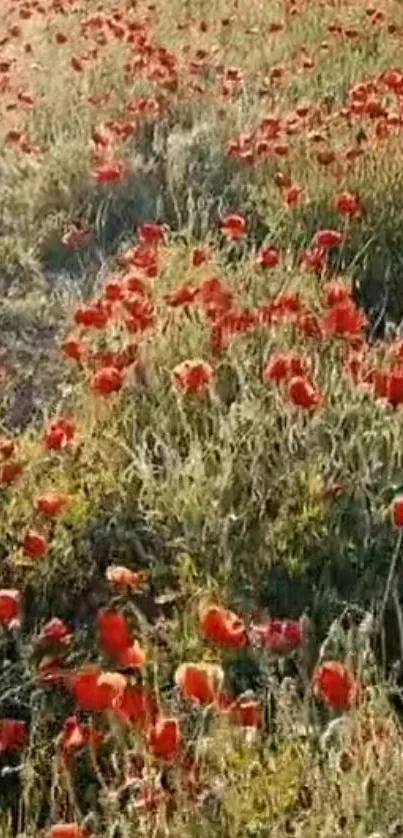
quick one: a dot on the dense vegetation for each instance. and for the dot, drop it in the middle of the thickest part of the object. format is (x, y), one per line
(201, 477)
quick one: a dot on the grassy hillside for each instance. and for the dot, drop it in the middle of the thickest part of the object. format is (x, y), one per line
(201, 476)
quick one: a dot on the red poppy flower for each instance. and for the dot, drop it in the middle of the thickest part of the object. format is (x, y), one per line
(335, 685)
(279, 636)
(107, 380)
(94, 690)
(193, 377)
(11, 472)
(13, 735)
(7, 448)
(343, 318)
(268, 257)
(379, 381)
(394, 387)
(66, 830)
(164, 739)
(336, 292)
(75, 735)
(132, 657)
(293, 195)
(95, 315)
(215, 297)
(309, 324)
(223, 627)
(276, 368)
(60, 432)
(347, 204)
(181, 296)
(397, 512)
(234, 227)
(201, 682)
(152, 233)
(287, 303)
(114, 632)
(54, 633)
(246, 712)
(51, 503)
(35, 544)
(73, 348)
(142, 315)
(302, 394)
(200, 255)
(328, 238)
(313, 260)
(283, 365)
(10, 606)
(110, 172)
(113, 290)
(136, 706)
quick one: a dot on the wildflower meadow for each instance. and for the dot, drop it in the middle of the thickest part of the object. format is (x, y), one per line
(201, 447)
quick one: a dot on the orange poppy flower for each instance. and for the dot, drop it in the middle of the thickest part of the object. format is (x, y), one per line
(200, 682)
(120, 575)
